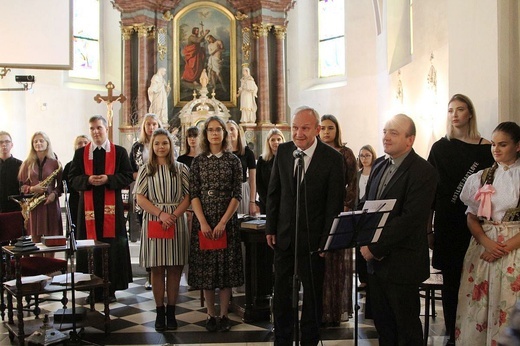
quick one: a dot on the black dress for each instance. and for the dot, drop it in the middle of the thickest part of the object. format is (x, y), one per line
(263, 173)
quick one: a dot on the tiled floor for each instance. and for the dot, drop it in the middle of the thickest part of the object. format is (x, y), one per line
(133, 315)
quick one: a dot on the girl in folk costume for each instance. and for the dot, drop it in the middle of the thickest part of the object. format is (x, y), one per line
(490, 284)
(162, 191)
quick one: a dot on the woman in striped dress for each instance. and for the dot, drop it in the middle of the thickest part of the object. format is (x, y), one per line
(162, 192)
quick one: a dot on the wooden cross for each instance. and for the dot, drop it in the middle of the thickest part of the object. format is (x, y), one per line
(109, 100)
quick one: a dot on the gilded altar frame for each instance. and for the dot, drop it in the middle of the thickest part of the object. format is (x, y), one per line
(222, 25)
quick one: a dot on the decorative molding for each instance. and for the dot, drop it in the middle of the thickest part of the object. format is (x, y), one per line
(399, 95)
(167, 16)
(432, 77)
(246, 43)
(161, 43)
(261, 29)
(280, 31)
(126, 32)
(143, 30)
(241, 16)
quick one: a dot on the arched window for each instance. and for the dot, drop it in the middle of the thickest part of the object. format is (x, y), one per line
(331, 35)
(86, 20)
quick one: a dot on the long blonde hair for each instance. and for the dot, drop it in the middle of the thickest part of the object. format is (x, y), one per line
(472, 121)
(143, 137)
(267, 153)
(241, 137)
(32, 159)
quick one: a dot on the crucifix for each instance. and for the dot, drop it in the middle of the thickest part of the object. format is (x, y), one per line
(109, 100)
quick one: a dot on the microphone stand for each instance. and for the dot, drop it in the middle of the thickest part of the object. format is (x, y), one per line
(74, 335)
(296, 280)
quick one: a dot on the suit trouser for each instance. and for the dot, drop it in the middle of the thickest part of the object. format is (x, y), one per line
(450, 296)
(312, 281)
(396, 309)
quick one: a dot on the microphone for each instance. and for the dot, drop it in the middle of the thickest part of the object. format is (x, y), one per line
(298, 154)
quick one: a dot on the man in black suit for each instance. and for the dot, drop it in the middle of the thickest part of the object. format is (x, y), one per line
(321, 199)
(399, 261)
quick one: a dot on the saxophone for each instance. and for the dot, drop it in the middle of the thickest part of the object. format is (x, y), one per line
(29, 204)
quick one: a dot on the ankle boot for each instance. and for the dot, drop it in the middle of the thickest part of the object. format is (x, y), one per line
(159, 319)
(171, 322)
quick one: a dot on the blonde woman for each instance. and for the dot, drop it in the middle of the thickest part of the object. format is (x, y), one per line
(41, 162)
(265, 163)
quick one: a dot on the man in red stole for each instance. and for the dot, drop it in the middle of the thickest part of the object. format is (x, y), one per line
(99, 171)
(194, 56)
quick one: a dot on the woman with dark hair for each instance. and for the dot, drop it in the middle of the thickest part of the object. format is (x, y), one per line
(339, 265)
(237, 141)
(265, 163)
(490, 284)
(41, 163)
(191, 146)
(216, 191)
(456, 156)
(162, 192)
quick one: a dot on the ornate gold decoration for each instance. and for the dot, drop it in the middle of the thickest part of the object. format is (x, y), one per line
(3, 72)
(142, 30)
(246, 43)
(241, 16)
(161, 43)
(167, 15)
(126, 32)
(280, 31)
(261, 29)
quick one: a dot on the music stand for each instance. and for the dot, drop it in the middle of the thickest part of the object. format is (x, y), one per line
(358, 228)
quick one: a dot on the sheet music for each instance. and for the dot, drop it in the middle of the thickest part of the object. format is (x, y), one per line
(373, 217)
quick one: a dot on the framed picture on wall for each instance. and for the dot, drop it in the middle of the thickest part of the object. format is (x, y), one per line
(205, 38)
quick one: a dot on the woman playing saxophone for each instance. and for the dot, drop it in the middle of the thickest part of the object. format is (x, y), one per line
(40, 175)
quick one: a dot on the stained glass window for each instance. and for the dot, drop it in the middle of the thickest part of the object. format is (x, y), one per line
(331, 27)
(86, 39)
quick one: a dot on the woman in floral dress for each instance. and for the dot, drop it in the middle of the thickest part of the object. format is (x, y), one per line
(490, 284)
(162, 191)
(216, 191)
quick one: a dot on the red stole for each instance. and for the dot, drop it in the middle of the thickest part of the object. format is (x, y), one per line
(109, 219)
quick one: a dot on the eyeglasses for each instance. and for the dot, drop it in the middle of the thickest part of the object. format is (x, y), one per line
(6, 142)
(217, 130)
(365, 156)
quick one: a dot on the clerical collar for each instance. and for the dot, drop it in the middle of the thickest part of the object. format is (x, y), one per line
(93, 146)
(217, 155)
(397, 161)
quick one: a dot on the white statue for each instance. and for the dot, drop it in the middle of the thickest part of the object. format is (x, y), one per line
(248, 92)
(158, 94)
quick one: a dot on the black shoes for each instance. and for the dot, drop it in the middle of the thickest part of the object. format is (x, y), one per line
(225, 324)
(160, 326)
(211, 324)
(171, 321)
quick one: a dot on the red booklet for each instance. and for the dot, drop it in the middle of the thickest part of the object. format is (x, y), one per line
(210, 244)
(155, 230)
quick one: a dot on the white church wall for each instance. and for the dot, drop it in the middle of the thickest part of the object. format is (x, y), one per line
(58, 106)
(353, 100)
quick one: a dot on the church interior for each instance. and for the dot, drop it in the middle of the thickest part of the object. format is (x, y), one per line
(399, 56)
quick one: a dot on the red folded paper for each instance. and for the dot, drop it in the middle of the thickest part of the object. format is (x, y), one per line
(155, 230)
(210, 244)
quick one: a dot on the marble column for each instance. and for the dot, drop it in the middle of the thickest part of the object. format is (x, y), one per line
(260, 32)
(126, 35)
(280, 86)
(143, 67)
